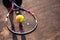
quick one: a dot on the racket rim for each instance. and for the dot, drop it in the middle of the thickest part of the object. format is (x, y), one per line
(28, 11)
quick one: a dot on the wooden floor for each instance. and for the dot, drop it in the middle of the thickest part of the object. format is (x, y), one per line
(48, 15)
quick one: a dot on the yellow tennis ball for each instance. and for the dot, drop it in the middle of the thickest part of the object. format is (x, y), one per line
(20, 18)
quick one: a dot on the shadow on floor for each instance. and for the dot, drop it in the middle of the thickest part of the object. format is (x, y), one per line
(21, 30)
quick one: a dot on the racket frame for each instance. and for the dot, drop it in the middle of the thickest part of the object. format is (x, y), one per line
(28, 11)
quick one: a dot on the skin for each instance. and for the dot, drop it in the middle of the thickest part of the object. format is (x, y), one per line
(11, 16)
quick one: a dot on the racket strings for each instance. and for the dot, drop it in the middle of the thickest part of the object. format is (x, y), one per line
(28, 24)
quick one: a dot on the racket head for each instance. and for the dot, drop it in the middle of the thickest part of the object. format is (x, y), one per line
(29, 25)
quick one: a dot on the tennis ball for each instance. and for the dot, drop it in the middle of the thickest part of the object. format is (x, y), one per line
(20, 18)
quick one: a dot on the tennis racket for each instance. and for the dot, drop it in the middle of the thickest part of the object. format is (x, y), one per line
(29, 24)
